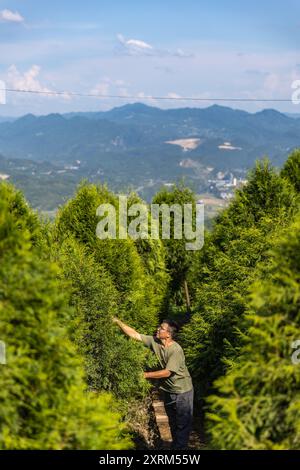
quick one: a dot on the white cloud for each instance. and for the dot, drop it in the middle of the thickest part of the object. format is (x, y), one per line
(172, 95)
(101, 89)
(181, 53)
(147, 98)
(141, 94)
(8, 15)
(139, 47)
(134, 46)
(108, 86)
(27, 80)
(136, 43)
(123, 92)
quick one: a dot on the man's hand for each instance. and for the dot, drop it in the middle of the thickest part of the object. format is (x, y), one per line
(127, 329)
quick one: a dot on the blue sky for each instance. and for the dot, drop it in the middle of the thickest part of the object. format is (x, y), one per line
(199, 49)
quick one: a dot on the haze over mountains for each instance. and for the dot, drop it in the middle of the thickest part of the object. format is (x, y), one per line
(139, 147)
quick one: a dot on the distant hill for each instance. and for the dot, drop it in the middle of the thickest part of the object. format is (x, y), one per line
(140, 129)
(293, 115)
(7, 119)
(141, 146)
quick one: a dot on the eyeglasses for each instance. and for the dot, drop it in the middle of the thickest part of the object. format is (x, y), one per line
(164, 329)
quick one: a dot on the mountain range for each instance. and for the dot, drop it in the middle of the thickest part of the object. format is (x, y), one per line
(142, 147)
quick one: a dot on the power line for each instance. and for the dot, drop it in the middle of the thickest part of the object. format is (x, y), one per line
(129, 97)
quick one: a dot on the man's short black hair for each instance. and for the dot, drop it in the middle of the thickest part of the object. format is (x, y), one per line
(173, 327)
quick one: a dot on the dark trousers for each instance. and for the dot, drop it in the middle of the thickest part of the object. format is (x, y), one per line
(179, 408)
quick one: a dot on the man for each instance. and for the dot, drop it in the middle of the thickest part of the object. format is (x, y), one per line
(176, 382)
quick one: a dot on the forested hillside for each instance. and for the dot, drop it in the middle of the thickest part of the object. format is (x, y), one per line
(138, 147)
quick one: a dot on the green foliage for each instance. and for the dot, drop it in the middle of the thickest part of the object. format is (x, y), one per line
(178, 258)
(119, 257)
(291, 169)
(67, 377)
(18, 207)
(108, 354)
(153, 256)
(258, 401)
(109, 277)
(43, 404)
(226, 269)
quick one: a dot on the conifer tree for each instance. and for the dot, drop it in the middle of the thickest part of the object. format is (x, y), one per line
(240, 239)
(119, 257)
(109, 277)
(43, 404)
(258, 401)
(291, 169)
(178, 257)
(108, 354)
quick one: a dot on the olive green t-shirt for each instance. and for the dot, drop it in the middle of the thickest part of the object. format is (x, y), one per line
(171, 358)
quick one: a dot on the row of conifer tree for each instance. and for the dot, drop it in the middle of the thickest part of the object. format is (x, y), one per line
(71, 377)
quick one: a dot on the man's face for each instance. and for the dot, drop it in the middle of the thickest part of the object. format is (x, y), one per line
(163, 331)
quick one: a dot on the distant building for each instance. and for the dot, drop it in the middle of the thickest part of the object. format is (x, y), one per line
(226, 196)
(71, 167)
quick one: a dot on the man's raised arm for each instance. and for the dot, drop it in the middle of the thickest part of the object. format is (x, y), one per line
(127, 330)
